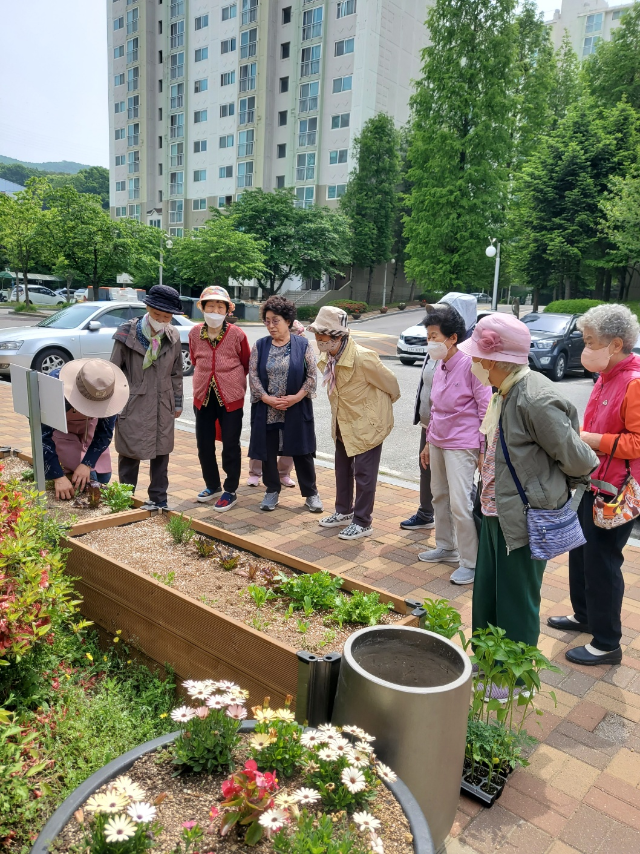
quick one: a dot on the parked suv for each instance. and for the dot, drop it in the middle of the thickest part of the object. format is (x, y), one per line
(556, 344)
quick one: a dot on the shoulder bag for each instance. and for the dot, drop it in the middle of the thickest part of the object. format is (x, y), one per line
(622, 505)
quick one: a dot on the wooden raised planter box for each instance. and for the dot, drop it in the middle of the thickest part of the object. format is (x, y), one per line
(199, 642)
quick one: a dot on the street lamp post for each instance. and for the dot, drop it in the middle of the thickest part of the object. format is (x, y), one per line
(493, 250)
(168, 243)
(384, 287)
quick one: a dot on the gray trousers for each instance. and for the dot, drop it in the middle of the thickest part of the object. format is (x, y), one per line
(128, 469)
(361, 470)
(425, 511)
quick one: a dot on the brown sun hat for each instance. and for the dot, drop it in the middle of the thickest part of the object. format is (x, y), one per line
(95, 387)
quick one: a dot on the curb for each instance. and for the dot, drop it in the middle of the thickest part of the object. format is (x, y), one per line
(379, 315)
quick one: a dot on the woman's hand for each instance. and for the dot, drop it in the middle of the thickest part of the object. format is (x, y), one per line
(271, 401)
(424, 457)
(480, 461)
(64, 488)
(591, 439)
(80, 478)
(288, 400)
(177, 413)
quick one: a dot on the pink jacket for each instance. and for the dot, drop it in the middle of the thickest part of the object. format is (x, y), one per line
(228, 361)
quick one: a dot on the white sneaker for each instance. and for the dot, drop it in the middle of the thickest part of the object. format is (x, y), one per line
(463, 575)
(314, 504)
(336, 520)
(438, 555)
(354, 532)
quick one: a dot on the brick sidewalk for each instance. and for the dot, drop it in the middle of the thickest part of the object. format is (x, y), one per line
(581, 792)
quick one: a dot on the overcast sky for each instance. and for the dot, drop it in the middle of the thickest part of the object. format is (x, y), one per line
(53, 79)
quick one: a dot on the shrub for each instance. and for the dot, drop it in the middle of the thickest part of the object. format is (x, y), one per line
(22, 306)
(360, 607)
(430, 297)
(311, 592)
(350, 306)
(572, 306)
(307, 312)
(441, 617)
(118, 496)
(180, 529)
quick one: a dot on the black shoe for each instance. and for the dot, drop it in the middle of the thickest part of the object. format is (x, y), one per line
(564, 624)
(581, 655)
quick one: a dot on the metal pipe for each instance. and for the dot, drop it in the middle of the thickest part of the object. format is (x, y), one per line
(496, 276)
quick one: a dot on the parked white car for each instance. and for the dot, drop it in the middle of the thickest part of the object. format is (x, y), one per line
(38, 294)
(80, 331)
(412, 345)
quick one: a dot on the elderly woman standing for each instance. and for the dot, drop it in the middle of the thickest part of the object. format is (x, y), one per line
(282, 379)
(361, 392)
(220, 355)
(540, 429)
(148, 351)
(612, 429)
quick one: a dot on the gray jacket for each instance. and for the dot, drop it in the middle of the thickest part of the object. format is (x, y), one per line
(542, 433)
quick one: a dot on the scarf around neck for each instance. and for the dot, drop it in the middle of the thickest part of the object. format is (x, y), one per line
(329, 373)
(154, 339)
(492, 415)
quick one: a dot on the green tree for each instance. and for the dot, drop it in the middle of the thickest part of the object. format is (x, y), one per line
(371, 199)
(463, 117)
(94, 180)
(567, 85)
(22, 228)
(622, 215)
(295, 241)
(218, 252)
(613, 71)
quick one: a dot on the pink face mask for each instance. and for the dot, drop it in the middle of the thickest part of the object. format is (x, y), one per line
(596, 361)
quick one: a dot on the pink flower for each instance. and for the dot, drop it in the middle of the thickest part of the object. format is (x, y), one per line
(237, 712)
(488, 340)
(202, 712)
(189, 824)
(214, 812)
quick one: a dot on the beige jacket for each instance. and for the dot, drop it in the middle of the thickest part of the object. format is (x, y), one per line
(362, 400)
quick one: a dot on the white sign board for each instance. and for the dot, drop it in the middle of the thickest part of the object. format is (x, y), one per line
(52, 401)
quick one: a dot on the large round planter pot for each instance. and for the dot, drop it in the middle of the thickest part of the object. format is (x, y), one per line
(422, 843)
(411, 689)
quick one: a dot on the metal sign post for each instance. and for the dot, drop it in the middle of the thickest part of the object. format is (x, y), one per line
(33, 394)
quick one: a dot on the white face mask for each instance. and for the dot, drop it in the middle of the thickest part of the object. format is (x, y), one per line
(155, 325)
(437, 350)
(213, 318)
(480, 373)
(328, 346)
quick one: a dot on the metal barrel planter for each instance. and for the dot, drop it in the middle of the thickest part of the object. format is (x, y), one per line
(411, 689)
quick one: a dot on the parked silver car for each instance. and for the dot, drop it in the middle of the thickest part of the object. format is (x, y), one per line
(81, 331)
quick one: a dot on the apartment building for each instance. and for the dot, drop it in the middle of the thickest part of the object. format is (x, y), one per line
(210, 98)
(587, 23)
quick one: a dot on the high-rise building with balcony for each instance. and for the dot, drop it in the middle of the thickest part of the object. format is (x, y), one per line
(210, 98)
(587, 23)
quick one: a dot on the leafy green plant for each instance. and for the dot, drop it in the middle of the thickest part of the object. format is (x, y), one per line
(190, 838)
(248, 794)
(303, 626)
(179, 527)
(441, 617)
(359, 607)
(276, 740)
(328, 637)
(259, 594)
(572, 306)
(317, 591)
(118, 496)
(165, 577)
(15, 771)
(321, 834)
(495, 748)
(28, 476)
(226, 558)
(204, 546)
(258, 623)
(307, 312)
(350, 306)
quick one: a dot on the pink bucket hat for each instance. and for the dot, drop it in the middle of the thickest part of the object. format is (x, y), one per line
(501, 338)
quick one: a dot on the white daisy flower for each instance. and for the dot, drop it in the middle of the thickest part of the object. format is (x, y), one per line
(306, 796)
(354, 780)
(376, 844)
(341, 746)
(216, 702)
(97, 803)
(114, 801)
(311, 738)
(119, 829)
(189, 683)
(285, 715)
(273, 820)
(285, 799)
(365, 821)
(225, 685)
(236, 712)
(141, 812)
(182, 715)
(364, 747)
(328, 728)
(200, 691)
(359, 758)
(327, 754)
(358, 732)
(385, 773)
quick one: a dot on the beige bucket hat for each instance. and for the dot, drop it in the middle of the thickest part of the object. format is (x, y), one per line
(95, 387)
(330, 321)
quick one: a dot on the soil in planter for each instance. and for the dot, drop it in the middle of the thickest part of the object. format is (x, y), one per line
(62, 511)
(148, 547)
(190, 797)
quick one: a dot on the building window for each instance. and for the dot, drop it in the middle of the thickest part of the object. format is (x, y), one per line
(177, 65)
(248, 43)
(339, 155)
(199, 146)
(133, 106)
(156, 220)
(177, 9)
(336, 191)
(118, 80)
(306, 167)
(285, 50)
(249, 12)
(177, 34)
(120, 159)
(229, 12)
(342, 84)
(340, 121)
(118, 52)
(310, 60)
(245, 174)
(344, 46)
(177, 96)
(227, 78)
(286, 15)
(176, 210)
(308, 102)
(227, 46)
(279, 182)
(226, 141)
(304, 197)
(245, 143)
(282, 150)
(202, 53)
(199, 174)
(159, 114)
(160, 57)
(312, 23)
(134, 212)
(225, 172)
(160, 169)
(282, 118)
(224, 201)
(133, 134)
(594, 23)
(132, 50)
(307, 131)
(176, 125)
(118, 23)
(248, 77)
(348, 7)
(176, 183)
(134, 188)
(284, 84)
(160, 86)
(176, 153)
(121, 186)
(176, 232)
(589, 45)
(247, 110)
(133, 78)
(202, 21)
(159, 142)
(132, 21)
(121, 211)
(119, 106)
(199, 205)
(120, 133)
(200, 116)
(618, 13)
(159, 28)
(134, 162)
(201, 85)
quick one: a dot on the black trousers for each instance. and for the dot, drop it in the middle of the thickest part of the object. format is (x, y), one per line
(230, 429)
(359, 472)
(304, 466)
(129, 468)
(425, 511)
(596, 584)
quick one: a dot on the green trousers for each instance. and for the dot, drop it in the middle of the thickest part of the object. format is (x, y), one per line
(506, 590)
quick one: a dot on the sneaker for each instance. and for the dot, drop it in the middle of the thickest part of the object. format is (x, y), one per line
(463, 575)
(270, 501)
(439, 555)
(354, 532)
(417, 522)
(287, 481)
(149, 505)
(208, 494)
(336, 520)
(225, 502)
(313, 504)
(252, 480)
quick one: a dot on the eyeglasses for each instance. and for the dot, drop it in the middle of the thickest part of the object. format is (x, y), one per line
(274, 322)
